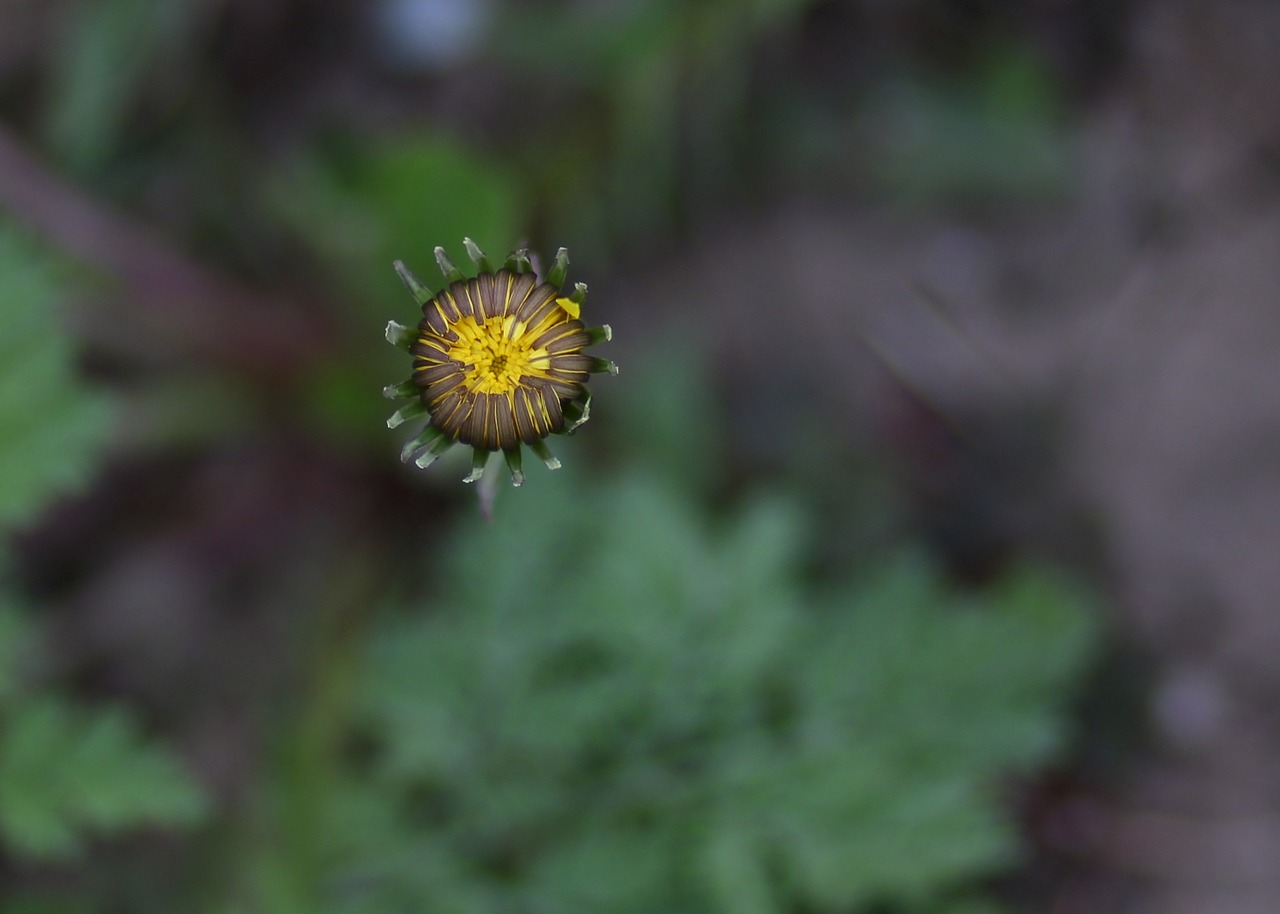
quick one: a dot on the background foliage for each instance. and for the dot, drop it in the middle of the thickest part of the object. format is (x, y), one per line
(68, 770)
(248, 665)
(654, 712)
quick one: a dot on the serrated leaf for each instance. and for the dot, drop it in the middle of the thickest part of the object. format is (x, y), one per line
(67, 770)
(51, 423)
(585, 694)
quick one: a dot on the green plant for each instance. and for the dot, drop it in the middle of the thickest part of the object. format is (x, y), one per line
(618, 705)
(67, 769)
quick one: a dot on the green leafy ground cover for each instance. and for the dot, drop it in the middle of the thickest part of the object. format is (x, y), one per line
(620, 705)
(69, 770)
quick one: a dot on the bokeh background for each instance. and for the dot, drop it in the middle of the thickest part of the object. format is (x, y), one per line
(922, 559)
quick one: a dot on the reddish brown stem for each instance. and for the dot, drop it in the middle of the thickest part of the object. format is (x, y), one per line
(178, 302)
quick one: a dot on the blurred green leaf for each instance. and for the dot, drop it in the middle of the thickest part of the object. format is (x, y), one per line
(50, 421)
(104, 58)
(360, 209)
(666, 409)
(65, 770)
(670, 85)
(618, 705)
(997, 135)
(429, 191)
(396, 198)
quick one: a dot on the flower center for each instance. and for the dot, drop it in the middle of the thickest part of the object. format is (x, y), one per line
(495, 354)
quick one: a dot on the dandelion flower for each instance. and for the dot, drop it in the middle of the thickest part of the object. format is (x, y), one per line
(498, 361)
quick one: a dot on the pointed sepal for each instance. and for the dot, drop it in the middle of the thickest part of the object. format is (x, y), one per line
(405, 413)
(518, 261)
(559, 268)
(544, 453)
(479, 459)
(421, 294)
(477, 256)
(433, 453)
(400, 391)
(577, 411)
(420, 442)
(400, 336)
(451, 273)
(514, 461)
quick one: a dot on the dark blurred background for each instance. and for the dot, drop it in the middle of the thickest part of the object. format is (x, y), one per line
(922, 559)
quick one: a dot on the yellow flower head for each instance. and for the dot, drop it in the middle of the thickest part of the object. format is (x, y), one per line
(498, 361)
